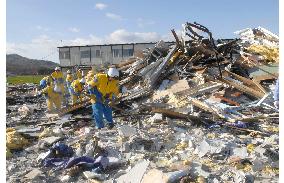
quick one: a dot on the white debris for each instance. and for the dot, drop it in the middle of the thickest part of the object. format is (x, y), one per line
(240, 152)
(126, 131)
(156, 118)
(135, 174)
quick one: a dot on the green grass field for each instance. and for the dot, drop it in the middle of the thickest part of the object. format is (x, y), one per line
(24, 79)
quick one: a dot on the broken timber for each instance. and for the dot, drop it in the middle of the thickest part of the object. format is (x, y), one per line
(73, 107)
(172, 114)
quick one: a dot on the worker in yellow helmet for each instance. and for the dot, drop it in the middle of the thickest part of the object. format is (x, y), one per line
(57, 77)
(58, 82)
(69, 79)
(52, 98)
(103, 89)
(79, 74)
(77, 87)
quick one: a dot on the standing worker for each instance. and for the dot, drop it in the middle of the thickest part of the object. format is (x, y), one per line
(79, 74)
(76, 89)
(103, 90)
(69, 80)
(57, 77)
(52, 98)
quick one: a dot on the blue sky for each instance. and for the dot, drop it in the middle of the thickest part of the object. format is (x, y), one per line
(36, 27)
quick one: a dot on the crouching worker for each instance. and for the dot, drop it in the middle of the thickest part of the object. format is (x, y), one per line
(103, 90)
(52, 98)
(43, 82)
(76, 90)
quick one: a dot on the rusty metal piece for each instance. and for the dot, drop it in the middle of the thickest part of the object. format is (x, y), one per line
(217, 95)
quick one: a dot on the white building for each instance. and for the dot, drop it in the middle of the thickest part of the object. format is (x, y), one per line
(91, 55)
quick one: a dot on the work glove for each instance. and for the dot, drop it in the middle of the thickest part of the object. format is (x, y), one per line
(39, 93)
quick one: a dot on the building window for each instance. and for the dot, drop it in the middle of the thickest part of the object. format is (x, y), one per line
(98, 54)
(116, 53)
(85, 54)
(64, 54)
(127, 52)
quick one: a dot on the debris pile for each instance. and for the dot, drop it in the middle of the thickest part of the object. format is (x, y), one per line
(200, 110)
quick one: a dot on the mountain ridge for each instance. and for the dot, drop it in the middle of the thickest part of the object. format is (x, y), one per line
(19, 65)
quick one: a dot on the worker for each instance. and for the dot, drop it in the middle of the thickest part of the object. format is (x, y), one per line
(69, 79)
(57, 77)
(67, 93)
(52, 98)
(276, 94)
(43, 82)
(102, 69)
(77, 87)
(103, 90)
(90, 76)
(79, 74)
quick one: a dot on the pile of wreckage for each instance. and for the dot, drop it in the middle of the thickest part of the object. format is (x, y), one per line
(200, 110)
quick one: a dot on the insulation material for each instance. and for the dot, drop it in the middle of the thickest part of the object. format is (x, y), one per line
(270, 54)
(14, 140)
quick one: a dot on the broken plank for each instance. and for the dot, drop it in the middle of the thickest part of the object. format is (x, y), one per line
(246, 130)
(259, 86)
(200, 89)
(243, 88)
(74, 107)
(246, 81)
(172, 114)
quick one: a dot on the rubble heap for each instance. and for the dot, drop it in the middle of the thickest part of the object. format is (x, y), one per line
(200, 110)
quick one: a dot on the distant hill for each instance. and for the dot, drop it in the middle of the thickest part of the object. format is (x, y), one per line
(18, 65)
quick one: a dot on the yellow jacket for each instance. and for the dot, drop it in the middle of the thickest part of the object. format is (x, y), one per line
(105, 87)
(57, 76)
(49, 92)
(79, 74)
(69, 78)
(77, 86)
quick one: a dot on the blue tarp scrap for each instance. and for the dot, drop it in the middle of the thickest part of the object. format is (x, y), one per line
(62, 150)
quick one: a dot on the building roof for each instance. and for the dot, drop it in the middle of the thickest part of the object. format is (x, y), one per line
(114, 44)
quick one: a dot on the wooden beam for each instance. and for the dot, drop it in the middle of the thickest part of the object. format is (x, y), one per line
(243, 88)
